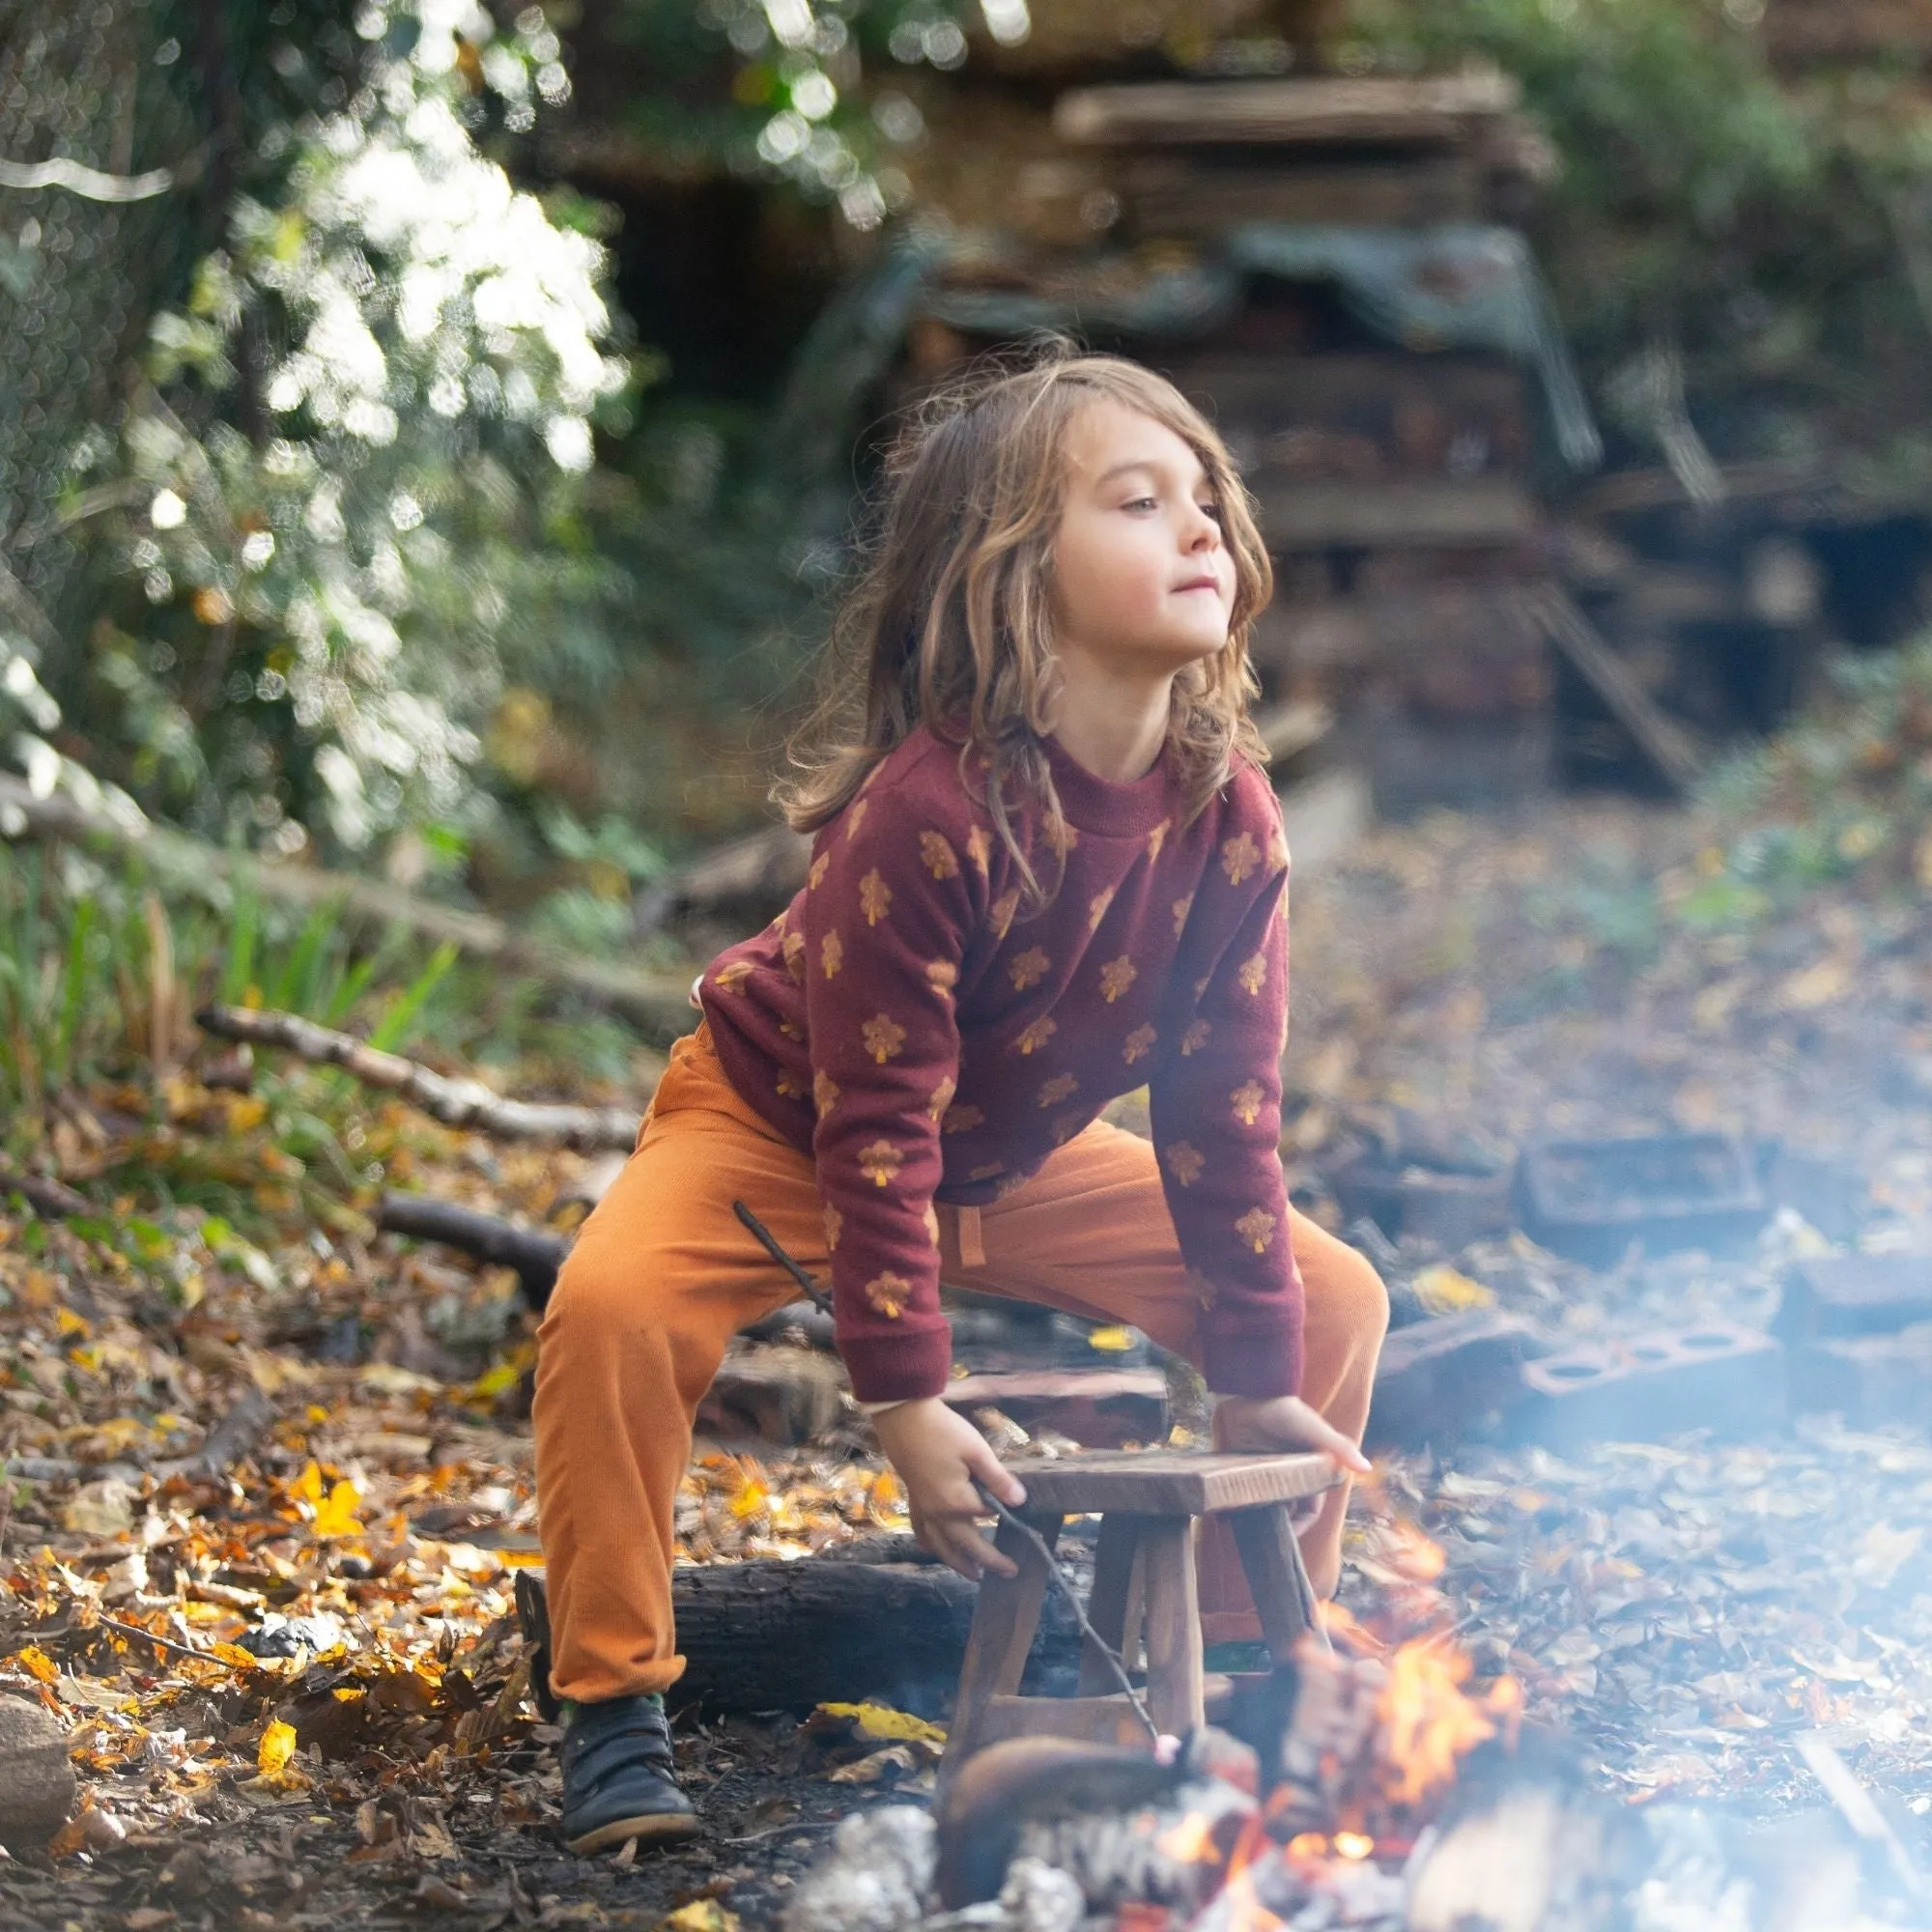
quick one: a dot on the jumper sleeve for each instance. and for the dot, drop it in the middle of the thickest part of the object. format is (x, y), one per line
(1215, 1106)
(891, 896)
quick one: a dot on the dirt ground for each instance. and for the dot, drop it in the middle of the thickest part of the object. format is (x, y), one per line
(337, 1733)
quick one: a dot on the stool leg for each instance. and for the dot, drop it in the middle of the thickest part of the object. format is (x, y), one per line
(1005, 1620)
(1107, 1604)
(1175, 1691)
(1277, 1576)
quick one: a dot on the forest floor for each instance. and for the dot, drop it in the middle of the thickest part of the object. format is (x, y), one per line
(333, 1727)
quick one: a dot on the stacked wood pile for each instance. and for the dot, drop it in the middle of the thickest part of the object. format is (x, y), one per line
(1394, 480)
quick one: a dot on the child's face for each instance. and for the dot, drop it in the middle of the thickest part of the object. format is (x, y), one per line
(1140, 571)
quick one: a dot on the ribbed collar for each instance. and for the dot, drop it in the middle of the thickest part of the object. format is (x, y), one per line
(1107, 810)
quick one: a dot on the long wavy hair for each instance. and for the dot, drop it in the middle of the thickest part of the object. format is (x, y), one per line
(949, 623)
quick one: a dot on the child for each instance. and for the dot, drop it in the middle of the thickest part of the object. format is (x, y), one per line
(1047, 870)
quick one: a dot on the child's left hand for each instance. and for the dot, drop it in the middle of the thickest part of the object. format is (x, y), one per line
(1282, 1422)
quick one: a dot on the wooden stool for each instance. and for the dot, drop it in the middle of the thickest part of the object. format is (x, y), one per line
(1142, 1586)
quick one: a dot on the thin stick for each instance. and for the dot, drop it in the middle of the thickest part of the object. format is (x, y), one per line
(160, 1642)
(820, 1300)
(1063, 1583)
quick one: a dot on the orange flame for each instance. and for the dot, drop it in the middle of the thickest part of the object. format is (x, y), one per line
(1429, 1721)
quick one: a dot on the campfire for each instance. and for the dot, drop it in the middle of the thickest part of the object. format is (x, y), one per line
(1377, 1780)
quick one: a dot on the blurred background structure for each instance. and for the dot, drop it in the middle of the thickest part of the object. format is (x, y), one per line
(430, 433)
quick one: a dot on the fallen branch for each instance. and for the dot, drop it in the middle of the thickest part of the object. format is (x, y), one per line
(456, 1103)
(534, 1254)
(655, 1000)
(50, 1200)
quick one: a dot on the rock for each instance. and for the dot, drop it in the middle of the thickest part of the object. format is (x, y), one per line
(37, 1782)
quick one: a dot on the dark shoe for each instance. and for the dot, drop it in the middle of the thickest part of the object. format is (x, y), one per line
(618, 1779)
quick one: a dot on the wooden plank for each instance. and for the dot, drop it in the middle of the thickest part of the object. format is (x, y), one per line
(1279, 390)
(1100, 1720)
(1107, 1602)
(1276, 1578)
(1170, 1482)
(1165, 199)
(1004, 1623)
(1484, 512)
(1661, 738)
(1436, 109)
(1176, 1691)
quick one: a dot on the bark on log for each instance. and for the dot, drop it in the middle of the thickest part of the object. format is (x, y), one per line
(50, 1200)
(654, 1000)
(785, 1637)
(457, 1103)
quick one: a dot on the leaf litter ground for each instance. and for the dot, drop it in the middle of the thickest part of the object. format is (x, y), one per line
(292, 1685)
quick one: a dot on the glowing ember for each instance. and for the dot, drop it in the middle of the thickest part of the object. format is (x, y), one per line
(1429, 1721)
(1352, 1845)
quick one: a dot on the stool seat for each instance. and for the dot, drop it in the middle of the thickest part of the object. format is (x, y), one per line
(1144, 1594)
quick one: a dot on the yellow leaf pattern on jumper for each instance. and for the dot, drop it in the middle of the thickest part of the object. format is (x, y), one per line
(794, 955)
(824, 1092)
(1246, 1100)
(818, 873)
(932, 1224)
(835, 1223)
(979, 848)
(1181, 908)
(1184, 1163)
(1277, 849)
(1253, 972)
(1057, 1089)
(962, 1120)
(1201, 1289)
(875, 897)
(942, 1096)
(987, 1170)
(940, 861)
(1157, 837)
(1096, 909)
(831, 955)
(1116, 977)
(1257, 1228)
(855, 816)
(791, 1031)
(1037, 1034)
(1029, 967)
(1239, 855)
(880, 1161)
(884, 1037)
(889, 1293)
(1063, 837)
(1000, 915)
(1195, 1037)
(1065, 1127)
(942, 976)
(790, 1086)
(732, 977)
(1138, 1043)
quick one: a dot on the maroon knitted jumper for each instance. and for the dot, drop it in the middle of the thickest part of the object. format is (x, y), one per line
(901, 1025)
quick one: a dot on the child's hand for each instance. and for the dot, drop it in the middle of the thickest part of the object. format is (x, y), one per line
(937, 1455)
(1282, 1422)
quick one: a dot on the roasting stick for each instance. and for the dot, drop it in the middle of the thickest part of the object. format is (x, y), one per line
(817, 1296)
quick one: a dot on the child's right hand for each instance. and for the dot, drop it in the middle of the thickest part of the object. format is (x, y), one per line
(937, 1454)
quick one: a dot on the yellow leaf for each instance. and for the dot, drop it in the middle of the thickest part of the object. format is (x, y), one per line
(871, 1768)
(1817, 986)
(36, 1664)
(701, 1915)
(246, 1111)
(888, 1725)
(1442, 1290)
(335, 1513)
(277, 1747)
(752, 1498)
(1111, 1341)
(68, 1323)
(233, 1653)
(308, 1485)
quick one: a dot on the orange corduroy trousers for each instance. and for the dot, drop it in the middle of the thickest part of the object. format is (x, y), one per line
(663, 1274)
